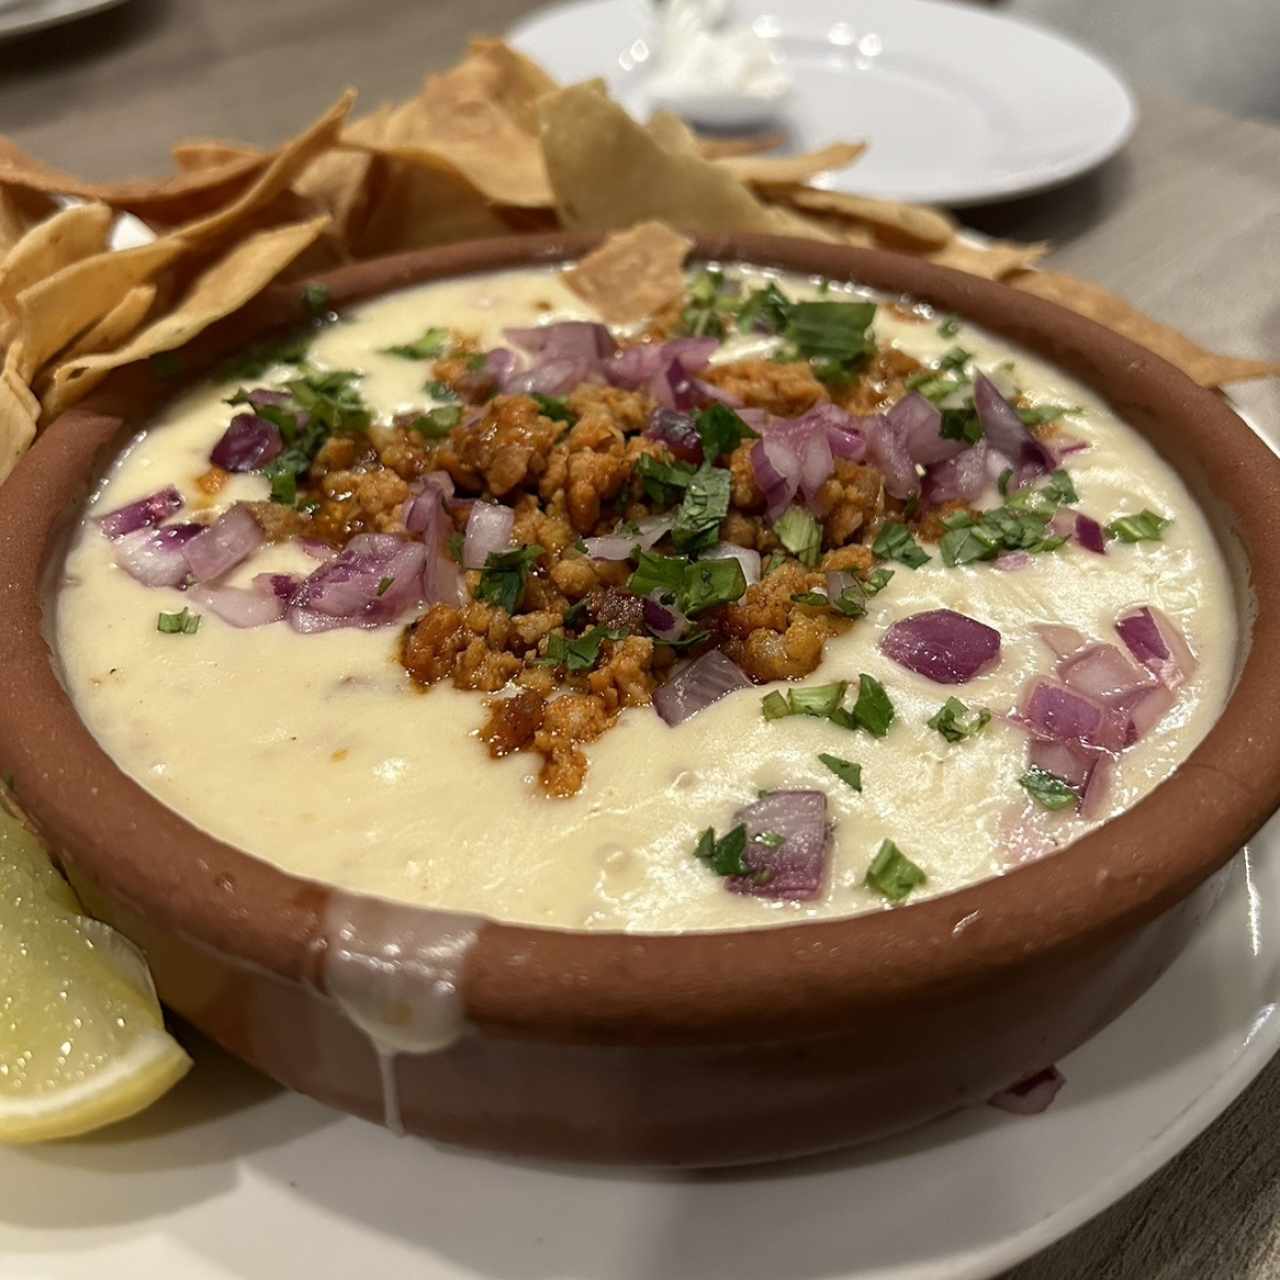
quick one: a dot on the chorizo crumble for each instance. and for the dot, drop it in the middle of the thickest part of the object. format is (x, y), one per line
(671, 467)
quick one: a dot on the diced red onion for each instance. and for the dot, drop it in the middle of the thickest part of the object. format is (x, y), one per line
(1102, 672)
(918, 423)
(1063, 640)
(142, 514)
(887, 450)
(442, 581)
(488, 530)
(428, 491)
(316, 549)
(677, 432)
(1005, 431)
(1064, 445)
(1088, 533)
(1063, 522)
(943, 646)
(842, 430)
(238, 606)
(1097, 788)
(705, 680)
(261, 397)
(1070, 761)
(665, 621)
(248, 443)
(646, 364)
(580, 339)
(963, 478)
(154, 557)
(1143, 710)
(620, 545)
(477, 385)
(1013, 560)
(231, 539)
(550, 377)
(281, 585)
(796, 868)
(777, 471)
(1031, 1096)
(1053, 711)
(1157, 643)
(748, 559)
(708, 393)
(353, 589)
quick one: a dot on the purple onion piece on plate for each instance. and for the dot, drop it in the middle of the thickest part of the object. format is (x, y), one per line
(489, 528)
(1102, 672)
(788, 841)
(1157, 644)
(1088, 533)
(918, 423)
(248, 443)
(230, 540)
(943, 646)
(154, 557)
(1007, 434)
(238, 606)
(142, 514)
(705, 680)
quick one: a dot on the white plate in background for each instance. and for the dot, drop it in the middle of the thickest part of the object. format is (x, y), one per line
(20, 17)
(959, 105)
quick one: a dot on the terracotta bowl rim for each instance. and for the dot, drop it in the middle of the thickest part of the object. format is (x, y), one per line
(761, 984)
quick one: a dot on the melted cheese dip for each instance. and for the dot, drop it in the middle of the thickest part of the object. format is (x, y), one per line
(317, 754)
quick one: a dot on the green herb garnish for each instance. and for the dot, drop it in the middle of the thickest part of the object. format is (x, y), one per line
(949, 327)
(707, 304)
(436, 423)
(894, 542)
(956, 722)
(454, 544)
(892, 873)
(724, 856)
(434, 342)
(800, 533)
(438, 390)
(721, 431)
(504, 574)
(1047, 789)
(846, 770)
(331, 397)
(873, 710)
(960, 424)
(835, 336)
(691, 585)
(581, 654)
(384, 585)
(554, 407)
(766, 310)
(817, 700)
(1045, 413)
(664, 482)
(184, 623)
(1146, 526)
(315, 298)
(704, 505)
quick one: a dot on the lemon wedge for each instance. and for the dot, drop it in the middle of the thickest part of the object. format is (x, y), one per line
(82, 1039)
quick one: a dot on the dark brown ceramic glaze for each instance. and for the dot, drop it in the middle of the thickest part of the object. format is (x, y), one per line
(694, 1049)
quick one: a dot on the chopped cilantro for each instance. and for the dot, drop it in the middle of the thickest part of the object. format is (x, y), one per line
(835, 336)
(692, 586)
(873, 710)
(1047, 789)
(438, 390)
(772, 563)
(894, 542)
(184, 623)
(704, 505)
(434, 342)
(968, 543)
(707, 303)
(845, 770)
(851, 602)
(956, 722)
(331, 397)
(1003, 482)
(436, 423)
(960, 424)
(876, 581)
(454, 543)
(1045, 413)
(775, 706)
(315, 298)
(504, 574)
(664, 482)
(955, 359)
(800, 533)
(581, 654)
(949, 327)
(892, 873)
(1022, 524)
(255, 360)
(724, 856)
(1146, 526)
(554, 407)
(817, 700)
(1060, 489)
(766, 310)
(384, 586)
(720, 430)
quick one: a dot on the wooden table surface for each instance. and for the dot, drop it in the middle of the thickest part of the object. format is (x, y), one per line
(1186, 222)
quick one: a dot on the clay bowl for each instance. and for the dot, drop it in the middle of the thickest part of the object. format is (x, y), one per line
(694, 1049)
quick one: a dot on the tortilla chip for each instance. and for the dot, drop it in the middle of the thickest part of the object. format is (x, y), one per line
(283, 167)
(469, 121)
(634, 273)
(71, 234)
(517, 82)
(672, 134)
(725, 146)
(772, 170)
(1096, 303)
(915, 223)
(19, 212)
(116, 325)
(411, 207)
(208, 153)
(220, 289)
(608, 173)
(337, 183)
(18, 413)
(992, 259)
(60, 307)
(166, 200)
